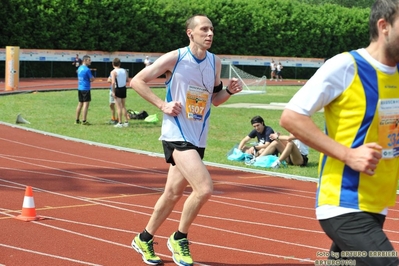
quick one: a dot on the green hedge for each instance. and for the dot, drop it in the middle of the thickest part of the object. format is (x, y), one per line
(242, 27)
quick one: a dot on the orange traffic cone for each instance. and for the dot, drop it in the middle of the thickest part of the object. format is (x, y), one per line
(28, 207)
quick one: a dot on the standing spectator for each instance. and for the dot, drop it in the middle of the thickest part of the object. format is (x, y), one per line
(359, 163)
(193, 84)
(84, 85)
(147, 61)
(262, 133)
(77, 62)
(279, 74)
(111, 101)
(272, 70)
(119, 79)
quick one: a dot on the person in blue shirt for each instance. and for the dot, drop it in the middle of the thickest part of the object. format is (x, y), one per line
(262, 133)
(84, 85)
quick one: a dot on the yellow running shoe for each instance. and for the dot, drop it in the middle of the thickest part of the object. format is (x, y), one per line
(180, 251)
(146, 249)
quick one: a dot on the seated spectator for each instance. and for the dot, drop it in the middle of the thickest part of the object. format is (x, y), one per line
(292, 150)
(262, 132)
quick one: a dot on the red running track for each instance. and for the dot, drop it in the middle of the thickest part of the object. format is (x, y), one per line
(96, 199)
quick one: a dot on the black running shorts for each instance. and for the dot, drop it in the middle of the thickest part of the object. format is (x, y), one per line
(169, 147)
(84, 96)
(120, 92)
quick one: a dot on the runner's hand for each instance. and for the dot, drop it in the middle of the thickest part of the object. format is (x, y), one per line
(364, 158)
(172, 108)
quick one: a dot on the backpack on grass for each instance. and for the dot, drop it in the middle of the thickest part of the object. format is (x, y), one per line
(137, 115)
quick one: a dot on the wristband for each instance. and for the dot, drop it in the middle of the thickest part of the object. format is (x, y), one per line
(227, 90)
(218, 87)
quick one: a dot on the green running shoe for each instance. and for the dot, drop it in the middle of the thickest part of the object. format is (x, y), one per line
(146, 249)
(180, 251)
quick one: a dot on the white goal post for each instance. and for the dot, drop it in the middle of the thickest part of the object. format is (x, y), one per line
(250, 83)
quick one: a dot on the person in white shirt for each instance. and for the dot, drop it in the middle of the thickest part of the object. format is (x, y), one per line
(147, 61)
(273, 70)
(119, 78)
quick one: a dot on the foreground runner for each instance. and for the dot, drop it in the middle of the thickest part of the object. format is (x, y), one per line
(192, 84)
(359, 164)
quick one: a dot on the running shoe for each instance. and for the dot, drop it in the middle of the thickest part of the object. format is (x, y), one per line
(180, 251)
(146, 249)
(118, 125)
(85, 123)
(249, 159)
(276, 164)
(126, 124)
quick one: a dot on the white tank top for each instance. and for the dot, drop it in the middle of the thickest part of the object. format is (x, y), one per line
(191, 83)
(121, 77)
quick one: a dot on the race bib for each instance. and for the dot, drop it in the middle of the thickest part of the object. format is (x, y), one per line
(388, 128)
(197, 98)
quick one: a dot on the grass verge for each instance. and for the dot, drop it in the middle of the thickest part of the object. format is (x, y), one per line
(55, 112)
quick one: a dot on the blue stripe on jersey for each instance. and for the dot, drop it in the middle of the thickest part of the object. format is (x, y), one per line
(207, 115)
(351, 178)
(169, 95)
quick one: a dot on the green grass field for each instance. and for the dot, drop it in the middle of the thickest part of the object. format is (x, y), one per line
(55, 112)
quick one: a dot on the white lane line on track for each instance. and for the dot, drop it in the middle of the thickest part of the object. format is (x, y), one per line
(230, 167)
(263, 172)
(110, 181)
(48, 255)
(91, 178)
(199, 225)
(146, 170)
(194, 242)
(220, 218)
(258, 202)
(255, 187)
(72, 154)
(85, 177)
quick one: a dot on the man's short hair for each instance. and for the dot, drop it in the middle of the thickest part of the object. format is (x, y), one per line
(191, 23)
(85, 57)
(257, 119)
(116, 62)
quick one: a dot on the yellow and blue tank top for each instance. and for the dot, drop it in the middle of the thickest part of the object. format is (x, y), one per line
(367, 111)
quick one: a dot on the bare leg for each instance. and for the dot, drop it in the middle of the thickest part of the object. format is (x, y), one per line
(118, 103)
(275, 145)
(189, 169)
(174, 188)
(295, 155)
(85, 110)
(112, 108)
(291, 151)
(124, 113)
(197, 175)
(78, 109)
